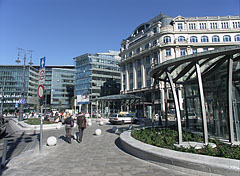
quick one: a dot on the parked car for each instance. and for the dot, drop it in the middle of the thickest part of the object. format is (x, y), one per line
(2, 126)
(122, 118)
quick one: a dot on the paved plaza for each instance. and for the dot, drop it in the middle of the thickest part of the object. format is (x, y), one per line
(96, 155)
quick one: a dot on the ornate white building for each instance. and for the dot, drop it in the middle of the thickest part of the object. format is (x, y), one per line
(163, 38)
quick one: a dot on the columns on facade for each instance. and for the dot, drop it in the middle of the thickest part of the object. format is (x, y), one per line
(134, 75)
(127, 78)
(143, 70)
(122, 82)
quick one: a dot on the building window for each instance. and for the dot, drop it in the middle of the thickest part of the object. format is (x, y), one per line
(194, 51)
(138, 50)
(155, 43)
(139, 62)
(205, 49)
(124, 78)
(202, 25)
(147, 60)
(215, 38)
(182, 51)
(139, 85)
(237, 38)
(148, 70)
(155, 55)
(131, 86)
(181, 39)
(192, 26)
(168, 52)
(224, 25)
(149, 82)
(130, 54)
(193, 39)
(204, 39)
(236, 24)
(139, 74)
(213, 25)
(147, 46)
(131, 65)
(226, 38)
(155, 30)
(167, 39)
(131, 75)
(180, 26)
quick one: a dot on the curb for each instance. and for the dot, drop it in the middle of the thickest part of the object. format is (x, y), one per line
(197, 162)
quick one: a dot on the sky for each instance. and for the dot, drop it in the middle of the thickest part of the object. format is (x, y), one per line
(63, 29)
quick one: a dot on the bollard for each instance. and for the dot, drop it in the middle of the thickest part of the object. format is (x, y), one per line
(4, 154)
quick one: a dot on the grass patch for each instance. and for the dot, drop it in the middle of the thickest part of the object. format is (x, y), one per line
(166, 138)
(36, 121)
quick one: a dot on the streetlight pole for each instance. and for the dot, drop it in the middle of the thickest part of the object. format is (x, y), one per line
(23, 79)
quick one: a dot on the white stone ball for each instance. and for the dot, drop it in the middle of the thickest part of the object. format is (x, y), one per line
(115, 129)
(101, 123)
(51, 141)
(98, 132)
(59, 125)
(89, 123)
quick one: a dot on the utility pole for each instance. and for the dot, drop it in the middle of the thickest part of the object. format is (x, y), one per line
(22, 100)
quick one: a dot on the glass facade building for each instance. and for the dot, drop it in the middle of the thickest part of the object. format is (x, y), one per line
(92, 70)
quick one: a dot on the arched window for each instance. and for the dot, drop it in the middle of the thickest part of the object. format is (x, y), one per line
(204, 39)
(226, 38)
(193, 39)
(215, 38)
(237, 38)
(181, 39)
(167, 39)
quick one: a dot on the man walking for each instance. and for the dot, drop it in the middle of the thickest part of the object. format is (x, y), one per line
(81, 122)
(69, 123)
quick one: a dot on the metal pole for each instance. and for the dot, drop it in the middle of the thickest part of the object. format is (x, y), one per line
(23, 87)
(41, 123)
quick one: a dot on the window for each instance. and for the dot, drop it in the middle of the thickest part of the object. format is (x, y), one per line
(130, 54)
(155, 30)
(180, 26)
(167, 39)
(202, 25)
(192, 26)
(181, 39)
(194, 51)
(237, 38)
(213, 25)
(138, 50)
(155, 55)
(147, 46)
(148, 70)
(131, 65)
(224, 25)
(124, 77)
(215, 38)
(193, 39)
(139, 62)
(204, 39)
(139, 85)
(205, 49)
(148, 83)
(131, 75)
(226, 38)
(183, 52)
(154, 42)
(236, 24)
(139, 74)
(131, 86)
(168, 52)
(147, 60)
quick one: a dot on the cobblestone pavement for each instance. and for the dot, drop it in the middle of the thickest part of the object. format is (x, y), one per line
(96, 155)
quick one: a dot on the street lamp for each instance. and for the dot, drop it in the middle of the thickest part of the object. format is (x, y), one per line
(23, 77)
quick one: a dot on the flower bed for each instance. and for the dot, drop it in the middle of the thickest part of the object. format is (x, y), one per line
(166, 138)
(36, 121)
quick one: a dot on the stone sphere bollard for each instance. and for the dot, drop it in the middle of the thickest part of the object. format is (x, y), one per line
(101, 123)
(115, 129)
(98, 132)
(51, 141)
(59, 125)
(89, 122)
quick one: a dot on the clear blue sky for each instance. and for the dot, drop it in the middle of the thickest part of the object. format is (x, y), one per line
(63, 29)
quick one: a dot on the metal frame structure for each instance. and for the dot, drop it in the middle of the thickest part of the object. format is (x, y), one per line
(194, 68)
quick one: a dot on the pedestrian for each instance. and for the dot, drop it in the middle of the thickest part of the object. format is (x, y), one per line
(69, 123)
(81, 122)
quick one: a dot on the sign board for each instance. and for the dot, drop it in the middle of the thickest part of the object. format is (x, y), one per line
(42, 63)
(41, 76)
(21, 101)
(83, 99)
(40, 91)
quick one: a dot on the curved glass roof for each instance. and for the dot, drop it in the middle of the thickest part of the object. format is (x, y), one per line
(182, 69)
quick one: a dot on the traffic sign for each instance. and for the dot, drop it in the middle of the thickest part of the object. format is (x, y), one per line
(41, 76)
(42, 62)
(40, 91)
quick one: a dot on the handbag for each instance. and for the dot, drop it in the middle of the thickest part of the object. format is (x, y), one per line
(71, 123)
(84, 125)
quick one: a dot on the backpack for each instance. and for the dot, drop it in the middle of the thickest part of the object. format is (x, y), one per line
(84, 125)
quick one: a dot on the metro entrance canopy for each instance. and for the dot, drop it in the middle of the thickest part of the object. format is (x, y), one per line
(216, 74)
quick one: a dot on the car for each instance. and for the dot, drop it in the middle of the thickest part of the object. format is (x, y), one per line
(120, 118)
(2, 126)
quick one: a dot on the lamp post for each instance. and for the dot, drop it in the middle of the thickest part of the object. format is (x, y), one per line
(23, 77)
